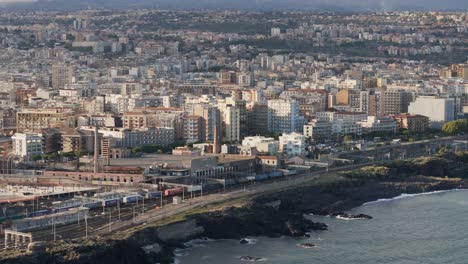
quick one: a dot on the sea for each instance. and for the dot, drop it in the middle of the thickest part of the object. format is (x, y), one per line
(430, 228)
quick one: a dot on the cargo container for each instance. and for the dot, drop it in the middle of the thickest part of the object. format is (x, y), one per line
(92, 205)
(194, 188)
(170, 192)
(132, 199)
(39, 213)
(111, 202)
(153, 195)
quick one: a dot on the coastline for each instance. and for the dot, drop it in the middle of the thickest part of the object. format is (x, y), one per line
(257, 217)
(184, 255)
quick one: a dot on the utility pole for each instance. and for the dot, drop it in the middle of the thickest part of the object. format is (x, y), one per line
(110, 220)
(133, 214)
(143, 206)
(53, 227)
(86, 224)
(118, 207)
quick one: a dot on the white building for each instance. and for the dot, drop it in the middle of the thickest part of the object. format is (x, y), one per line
(293, 144)
(275, 32)
(230, 116)
(318, 129)
(439, 110)
(375, 124)
(346, 127)
(27, 144)
(262, 144)
(126, 138)
(284, 116)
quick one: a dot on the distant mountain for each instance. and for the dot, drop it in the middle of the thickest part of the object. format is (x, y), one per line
(323, 5)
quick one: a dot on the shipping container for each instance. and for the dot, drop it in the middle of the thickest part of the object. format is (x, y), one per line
(132, 199)
(194, 188)
(170, 192)
(111, 202)
(153, 195)
(39, 213)
(92, 205)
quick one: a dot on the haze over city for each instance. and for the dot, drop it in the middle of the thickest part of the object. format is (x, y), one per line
(324, 5)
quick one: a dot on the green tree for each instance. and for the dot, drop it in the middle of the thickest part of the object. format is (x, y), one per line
(455, 127)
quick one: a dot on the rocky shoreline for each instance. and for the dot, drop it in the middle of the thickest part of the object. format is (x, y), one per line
(257, 218)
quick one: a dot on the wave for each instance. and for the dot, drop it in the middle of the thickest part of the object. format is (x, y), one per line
(406, 195)
(348, 218)
(198, 242)
(250, 241)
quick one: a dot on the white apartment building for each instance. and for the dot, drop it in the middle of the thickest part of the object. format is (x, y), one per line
(345, 127)
(349, 116)
(262, 144)
(230, 116)
(27, 144)
(318, 129)
(293, 144)
(439, 110)
(126, 138)
(375, 124)
(284, 116)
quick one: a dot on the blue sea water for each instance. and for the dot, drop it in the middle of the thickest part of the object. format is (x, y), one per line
(410, 229)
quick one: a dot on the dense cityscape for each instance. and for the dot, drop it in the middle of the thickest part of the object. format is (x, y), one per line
(114, 120)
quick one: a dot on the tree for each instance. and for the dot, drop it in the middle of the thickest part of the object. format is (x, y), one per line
(348, 138)
(455, 127)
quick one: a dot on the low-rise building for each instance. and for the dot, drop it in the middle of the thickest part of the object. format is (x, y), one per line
(27, 145)
(262, 144)
(318, 129)
(414, 123)
(376, 124)
(293, 144)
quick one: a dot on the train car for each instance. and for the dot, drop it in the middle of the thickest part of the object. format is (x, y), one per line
(175, 191)
(250, 178)
(11, 217)
(111, 202)
(153, 195)
(92, 205)
(62, 209)
(275, 174)
(261, 177)
(132, 199)
(39, 213)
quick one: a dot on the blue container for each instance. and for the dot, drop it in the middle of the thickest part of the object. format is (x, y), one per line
(132, 199)
(39, 213)
(153, 195)
(92, 205)
(110, 202)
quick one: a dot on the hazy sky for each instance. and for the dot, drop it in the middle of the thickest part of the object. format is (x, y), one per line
(262, 4)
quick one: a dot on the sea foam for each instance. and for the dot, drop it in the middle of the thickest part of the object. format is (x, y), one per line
(406, 195)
